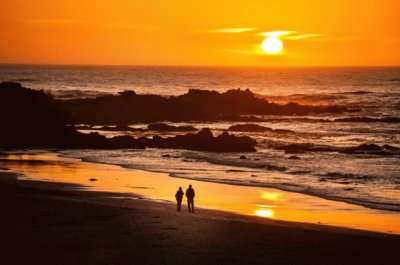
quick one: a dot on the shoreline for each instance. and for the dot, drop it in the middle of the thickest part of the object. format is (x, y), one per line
(265, 202)
(366, 204)
(59, 223)
(369, 205)
(380, 206)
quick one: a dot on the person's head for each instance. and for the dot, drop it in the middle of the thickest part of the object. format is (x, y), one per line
(190, 186)
(180, 188)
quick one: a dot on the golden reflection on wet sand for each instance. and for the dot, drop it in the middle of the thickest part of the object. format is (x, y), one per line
(262, 202)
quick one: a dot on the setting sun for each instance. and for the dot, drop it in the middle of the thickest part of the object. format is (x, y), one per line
(272, 45)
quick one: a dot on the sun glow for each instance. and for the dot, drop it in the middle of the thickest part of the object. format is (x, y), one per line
(272, 45)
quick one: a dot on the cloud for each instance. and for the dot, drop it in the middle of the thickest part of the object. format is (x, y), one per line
(302, 36)
(290, 35)
(226, 30)
(277, 33)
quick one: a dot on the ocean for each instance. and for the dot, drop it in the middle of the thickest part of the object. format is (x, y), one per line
(364, 179)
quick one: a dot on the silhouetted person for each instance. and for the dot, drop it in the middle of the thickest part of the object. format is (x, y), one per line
(190, 198)
(179, 197)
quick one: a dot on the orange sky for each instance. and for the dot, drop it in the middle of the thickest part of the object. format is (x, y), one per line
(183, 32)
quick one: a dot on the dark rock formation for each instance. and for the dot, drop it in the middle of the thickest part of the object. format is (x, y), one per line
(32, 119)
(371, 149)
(306, 147)
(367, 119)
(255, 128)
(199, 105)
(283, 131)
(205, 141)
(249, 128)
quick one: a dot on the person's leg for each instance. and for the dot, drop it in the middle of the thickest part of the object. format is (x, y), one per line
(192, 206)
(178, 206)
(190, 203)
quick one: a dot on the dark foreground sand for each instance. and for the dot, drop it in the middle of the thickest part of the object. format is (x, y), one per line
(50, 223)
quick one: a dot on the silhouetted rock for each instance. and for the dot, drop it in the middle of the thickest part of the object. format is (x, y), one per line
(36, 121)
(205, 141)
(367, 119)
(294, 157)
(93, 179)
(243, 157)
(30, 118)
(283, 131)
(126, 142)
(371, 149)
(301, 148)
(169, 128)
(255, 128)
(196, 105)
(249, 128)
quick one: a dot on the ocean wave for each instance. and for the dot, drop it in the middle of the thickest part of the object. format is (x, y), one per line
(235, 161)
(75, 93)
(347, 178)
(26, 80)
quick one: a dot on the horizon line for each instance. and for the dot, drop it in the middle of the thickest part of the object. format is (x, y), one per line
(201, 65)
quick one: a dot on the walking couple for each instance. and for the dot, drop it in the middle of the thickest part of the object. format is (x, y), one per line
(190, 198)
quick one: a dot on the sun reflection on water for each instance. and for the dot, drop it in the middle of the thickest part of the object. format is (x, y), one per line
(267, 213)
(271, 196)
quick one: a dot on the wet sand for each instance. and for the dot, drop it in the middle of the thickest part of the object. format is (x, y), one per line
(256, 201)
(54, 223)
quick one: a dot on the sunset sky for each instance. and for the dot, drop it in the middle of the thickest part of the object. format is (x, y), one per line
(207, 32)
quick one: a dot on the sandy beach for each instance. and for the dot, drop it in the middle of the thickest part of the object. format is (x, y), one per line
(61, 223)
